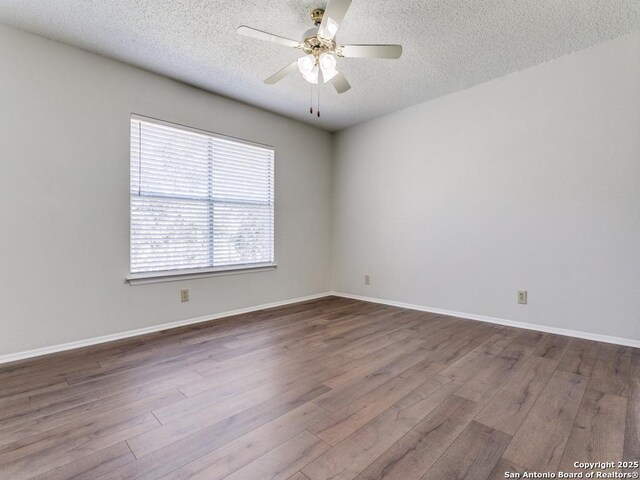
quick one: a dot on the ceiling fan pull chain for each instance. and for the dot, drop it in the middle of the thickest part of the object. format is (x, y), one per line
(318, 100)
(311, 102)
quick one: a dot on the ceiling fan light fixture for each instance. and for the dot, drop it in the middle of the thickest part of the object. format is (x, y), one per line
(306, 64)
(312, 76)
(328, 65)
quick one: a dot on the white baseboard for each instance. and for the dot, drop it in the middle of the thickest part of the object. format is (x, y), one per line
(12, 357)
(499, 321)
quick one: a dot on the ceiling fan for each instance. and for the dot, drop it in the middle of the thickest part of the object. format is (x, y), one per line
(319, 63)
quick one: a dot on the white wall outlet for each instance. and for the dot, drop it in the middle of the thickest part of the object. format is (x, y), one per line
(367, 280)
(184, 295)
(522, 297)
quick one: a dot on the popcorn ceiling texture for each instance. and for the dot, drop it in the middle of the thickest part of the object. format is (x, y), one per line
(449, 45)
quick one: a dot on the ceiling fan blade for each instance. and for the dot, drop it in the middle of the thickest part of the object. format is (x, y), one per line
(370, 51)
(268, 37)
(333, 15)
(340, 83)
(279, 75)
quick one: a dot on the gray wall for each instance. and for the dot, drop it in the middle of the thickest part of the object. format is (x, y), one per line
(64, 256)
(531, 181)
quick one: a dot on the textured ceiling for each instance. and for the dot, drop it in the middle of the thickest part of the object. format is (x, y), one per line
(449, 45)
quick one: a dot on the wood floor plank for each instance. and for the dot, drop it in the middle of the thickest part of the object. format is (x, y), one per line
(22, 389)
(452, 349)
(10, 408)
(147, 361)
(299, 476)
(510, 405)
(143, 372)
(503, 365)
(253, 368)
(47, 418)
(236, 380)
(39, 438)
(531, 339)
(552, 346)
(418, 450)
(376, 339)
(283, 461)
(473, 362)
(473, 455)
(339, 425)
(61, 422)
(485, 385)
(295, 351)
(377, 343)
(580, 357)
(100, 388)
(346, 393)
(186, 450)
(612, 369)
(64, 448)
(356, 452)
(91, 466)
(182, 427)
(55, 365)
(381, 359)
(262, 383)
(477, 391)
(598, 431)
(541, 439)
(251, 447)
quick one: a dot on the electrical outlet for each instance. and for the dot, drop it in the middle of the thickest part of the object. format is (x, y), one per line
(367, 280)
(184, 295)
(522, 297)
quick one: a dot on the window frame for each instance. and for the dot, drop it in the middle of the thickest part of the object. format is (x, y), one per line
(142, 278)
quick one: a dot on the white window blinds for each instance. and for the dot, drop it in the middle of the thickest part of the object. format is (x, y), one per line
(198, 200)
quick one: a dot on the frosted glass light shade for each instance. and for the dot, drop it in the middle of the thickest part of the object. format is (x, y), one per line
(306, 64)
(328, 65)
(310, 67)
(312, 76)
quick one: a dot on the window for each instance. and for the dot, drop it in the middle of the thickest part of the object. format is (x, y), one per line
(199, 201)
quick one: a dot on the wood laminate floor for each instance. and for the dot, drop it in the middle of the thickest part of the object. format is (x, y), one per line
(329, 389)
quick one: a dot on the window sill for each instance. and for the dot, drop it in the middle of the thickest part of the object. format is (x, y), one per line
(176, 275)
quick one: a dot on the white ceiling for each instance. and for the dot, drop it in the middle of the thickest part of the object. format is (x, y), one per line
(449, 45)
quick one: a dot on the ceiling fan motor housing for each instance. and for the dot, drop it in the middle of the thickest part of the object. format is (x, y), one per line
(311, 43)
(314, 45)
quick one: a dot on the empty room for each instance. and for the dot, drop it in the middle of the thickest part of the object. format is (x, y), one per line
(319, 239)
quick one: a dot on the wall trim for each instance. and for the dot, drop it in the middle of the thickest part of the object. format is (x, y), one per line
(38, 352)
(628, 342)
